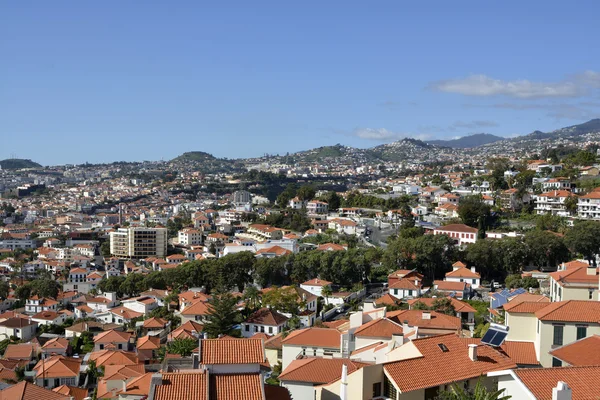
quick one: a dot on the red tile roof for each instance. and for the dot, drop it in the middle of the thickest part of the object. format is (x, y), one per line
(267, 316)
(75, 392)
(463, 273)
(583, 381)
(112, 336)
(182, 386)
(415, 318)
(381, 328)
(571, 311)
(522, 353)
(451, 286)
(318, 337)
(426, 371)
(580, 353)
(318, 370)
(236, 351)
(236, 386)
(457, 228)
(459, 306)
(317, 282)
(525, 307)
(28, 391)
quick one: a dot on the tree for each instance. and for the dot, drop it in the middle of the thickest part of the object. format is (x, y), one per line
(326, 292)
(472, 211)
(584, 238)
(252, 297)
(132, 285)
(283, 300)
(333, 200)
(4, 290)
(444, 306)
(480, 392)
(182, 346)
(546, 249)
(112, 284)
(548, 222)
(306, 193)
(223, 315)
(105, 249)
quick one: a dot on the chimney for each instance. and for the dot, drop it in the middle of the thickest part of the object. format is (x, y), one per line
(473, 269)
(591, 270)
(455, 267)
(473, 352)
(344, 383)
(124, 386)
(426, 315)
(562, 391)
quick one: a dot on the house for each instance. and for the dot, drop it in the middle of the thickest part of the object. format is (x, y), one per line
(317, 207)
(49, 318)
(446, 210)
(112, 340)
(273, 251)
(197, 311)
(553, 203)
(274, 349)
(28, 391)
(512, 199)
(315, 286)
(317, 342)
(380, 330)
(578, 282)
(18, 327)
(56, 346)
(463, 310)
(190, 237)
(331, 247)
(115, 379)
(103, 303)
(572, 383)
(460, 273)
(20, 352)
(147, 348)
(136, 388)
(343, 226)
(588, 205)
(226, 356)
(407, 287)
(74, 393)
(423, 323)
(188, 330)
(461, 233)
(154, 325)
(297, 204)
(264, 320)
(580, 353)
(36, 304)
(551, 325)
(304, 374)
(118, 315)
(417, 374)
(142, 304)
(460, 290)
(56, 371)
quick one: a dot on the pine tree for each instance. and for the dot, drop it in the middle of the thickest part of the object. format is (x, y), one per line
(223, 315)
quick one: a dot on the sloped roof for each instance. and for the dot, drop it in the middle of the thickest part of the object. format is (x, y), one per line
(23, 351)
(580, 353)
(267, 316)
(139, 386)
(154, 323)
(583, 381)
(318, 337)
(522, 353)
(318, 370)
(381, 327)
(415, 318)
(58, 366)
(28, 391)
(112, 336)
(182, 386)
(75, 392)
(525, 307)
(459, 306)
(148, 343)
(197, 308)
(456, 228)
(236, 386)
(236, 351)
(463, 273)
(426, 371)
(571, 311)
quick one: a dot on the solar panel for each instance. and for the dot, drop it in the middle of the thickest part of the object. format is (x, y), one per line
(495, 335)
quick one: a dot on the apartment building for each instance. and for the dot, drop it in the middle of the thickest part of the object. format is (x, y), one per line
(138, 243)
(190, 237)
(588, 206)
(553, 203)
(317, 207)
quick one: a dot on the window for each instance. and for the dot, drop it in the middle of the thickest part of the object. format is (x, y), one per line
(396, 291)
(270, 329)
(556, 362)
(101, 347)
(377, 389)
(262, 329)
(255, 328)
(558, 335)
(120, 346)
(581, 332)
(389, 390)
(590, 295)
(247, 328)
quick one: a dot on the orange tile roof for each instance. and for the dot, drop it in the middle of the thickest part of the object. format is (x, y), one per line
(182, 386)
(405, 284)
(7, 374)
(22, 351)
(198, 308)
(425, 371)
(56, 343)
(571, 311)
(28, 391)
(463, 273)
(237, 351)
(267, 316)
(148, 343)
(317, 282)
(236, 386)
(277, 250)
(456, 228)
(386, 299)
(122, 372)
(459, 264)
(125, 312)
(113, 357)
(366, 348)
(576, 275)
(139, 386)
(318, 337)
(75, 392)
(154, 323)
(583, 381)
(112, 336)
(58, 367)
(274, 342)
(580, 353)
(451, 286)
(415, 318)
(318, 370)
(330, 246)
(381, 327)
(522, 353)
(525, 307)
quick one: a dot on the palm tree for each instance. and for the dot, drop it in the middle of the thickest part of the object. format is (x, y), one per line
(326, 292)
(480, 392)
(252, 297)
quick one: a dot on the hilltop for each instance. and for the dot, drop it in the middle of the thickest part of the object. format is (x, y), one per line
(194, 156)
(466, 142)
(18, 163)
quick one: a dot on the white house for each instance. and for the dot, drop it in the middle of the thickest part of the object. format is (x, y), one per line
(37, 304)
(317, 207)
(460, 273)
(315, 286)
(142, 305)
(264, 320)
(461, 233)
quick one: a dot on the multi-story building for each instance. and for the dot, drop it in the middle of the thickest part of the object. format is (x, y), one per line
(553, 203)
(138, 242)
(461, 233)
(190, 237)
(588, 206)
(317, 207)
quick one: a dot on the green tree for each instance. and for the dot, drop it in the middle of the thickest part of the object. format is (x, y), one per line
(546, 249)
(223, 315)
(444, 306)
(472, 210)
(283, 300)
(584, 238)
(306, 193)
(4, 289)
(333, 200)
(326, 292)
(182, 346)
(105, 249)
(479, 392)
(252, 297)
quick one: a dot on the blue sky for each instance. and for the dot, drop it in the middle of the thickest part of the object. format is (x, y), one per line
(145, 80)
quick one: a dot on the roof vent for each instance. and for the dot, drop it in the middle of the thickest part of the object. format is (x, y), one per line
(426, 315)
(443, 347)
(473, 352)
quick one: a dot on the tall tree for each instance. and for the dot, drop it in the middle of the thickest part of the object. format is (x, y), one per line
(473, 211)
(223, 315)
(584, 238)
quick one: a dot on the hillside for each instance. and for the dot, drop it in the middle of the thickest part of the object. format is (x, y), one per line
(466, 142)
(17, 163)
(199, 156)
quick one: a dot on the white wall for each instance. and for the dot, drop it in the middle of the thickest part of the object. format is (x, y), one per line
(300, 390)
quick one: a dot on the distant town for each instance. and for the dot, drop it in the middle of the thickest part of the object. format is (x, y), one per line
(410, 270)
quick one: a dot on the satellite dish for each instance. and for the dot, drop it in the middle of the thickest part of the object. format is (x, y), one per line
(496, 335)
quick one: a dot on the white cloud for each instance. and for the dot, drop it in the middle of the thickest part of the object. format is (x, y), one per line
(483, 85)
